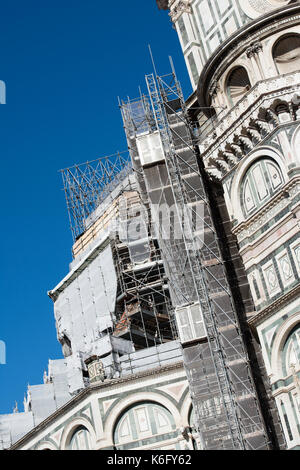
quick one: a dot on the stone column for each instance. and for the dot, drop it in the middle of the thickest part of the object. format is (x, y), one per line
(254, 54)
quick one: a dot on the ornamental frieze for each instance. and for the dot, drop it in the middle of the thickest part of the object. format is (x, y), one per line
(239, 131)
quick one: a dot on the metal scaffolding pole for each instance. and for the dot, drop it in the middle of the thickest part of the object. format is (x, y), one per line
(217, 367)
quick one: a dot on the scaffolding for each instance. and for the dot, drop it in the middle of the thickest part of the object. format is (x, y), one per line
(103, 199)
(162, 271)
(88, 184)
(224, 397)
(143, 308)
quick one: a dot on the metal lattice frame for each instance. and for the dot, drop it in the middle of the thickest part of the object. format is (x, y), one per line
(146, 287)
(87, 185)
(195, 280)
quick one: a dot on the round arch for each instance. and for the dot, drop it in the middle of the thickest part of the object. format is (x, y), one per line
(236, 83)
(295, 144)
(267, 152)
(269, 44)
(135, 399)
(46, 445)
(286, 52)
(186, 410)
(71, 428)
(279, 342)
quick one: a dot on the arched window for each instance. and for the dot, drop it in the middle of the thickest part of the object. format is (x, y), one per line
(286, 54)
(238, 84)
(80, 440)
(262, 180)
(291, 352)
(143, 421)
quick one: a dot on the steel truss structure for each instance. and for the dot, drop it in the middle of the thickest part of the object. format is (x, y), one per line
(98, 193)
(174, 271)
(225, 401)
(87, 185)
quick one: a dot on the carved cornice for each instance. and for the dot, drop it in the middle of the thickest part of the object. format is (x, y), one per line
(183, 6)
(109, 385)
(247, 124)
(274, 307)
(254, 49)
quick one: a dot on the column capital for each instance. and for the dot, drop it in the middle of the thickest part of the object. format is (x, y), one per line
(254, 49)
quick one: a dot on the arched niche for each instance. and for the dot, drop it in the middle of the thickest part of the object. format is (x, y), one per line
(80, 439)
(236, 188)
(79, 432)
(237, 84)
(262, 180)
(290, 359)
(288, 332)
(143, 421)
(286, 53)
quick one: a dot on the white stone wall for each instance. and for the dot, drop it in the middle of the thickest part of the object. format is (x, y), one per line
(99, 413)
(274, 334)
(203, 25)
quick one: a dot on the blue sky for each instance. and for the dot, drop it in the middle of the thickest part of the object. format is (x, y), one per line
(64, 63)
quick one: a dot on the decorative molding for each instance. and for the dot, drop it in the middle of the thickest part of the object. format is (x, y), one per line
(183, 6)
(240, 45)
(254, 49)
(157, 372)
(248, 123)
(214, 88)
(174, 390)
(274, 307)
